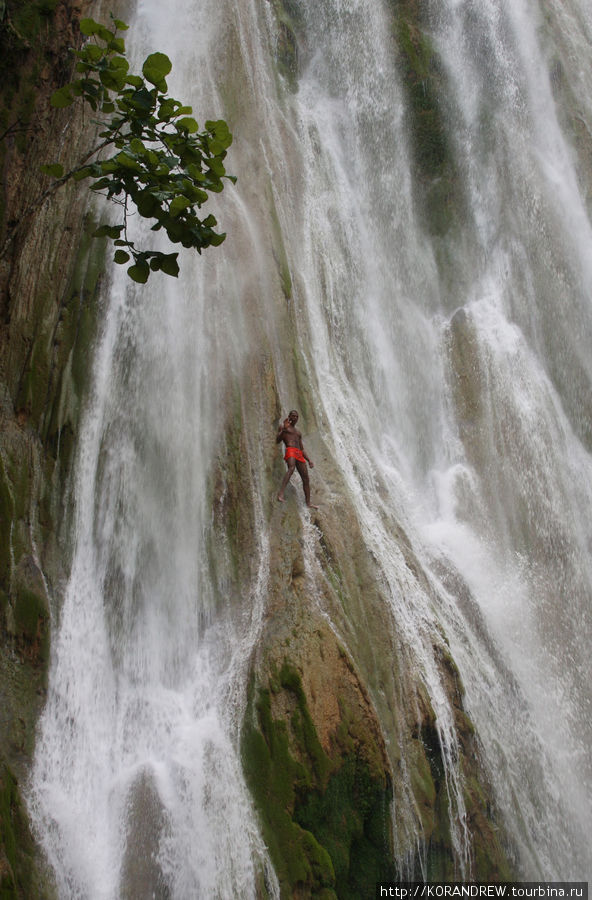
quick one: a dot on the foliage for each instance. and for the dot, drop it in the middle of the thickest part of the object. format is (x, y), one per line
(160, 159)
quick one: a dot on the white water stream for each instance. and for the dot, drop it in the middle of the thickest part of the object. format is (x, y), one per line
(137, 783)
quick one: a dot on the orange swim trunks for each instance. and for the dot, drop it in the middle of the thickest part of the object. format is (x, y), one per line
(294, 453)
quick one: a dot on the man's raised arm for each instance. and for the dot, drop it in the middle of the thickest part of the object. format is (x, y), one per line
(281, 430)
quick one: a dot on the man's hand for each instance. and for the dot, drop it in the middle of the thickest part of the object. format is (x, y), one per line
(311, 464)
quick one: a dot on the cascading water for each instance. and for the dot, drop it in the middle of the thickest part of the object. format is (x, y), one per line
(137, 785)
(450, 377)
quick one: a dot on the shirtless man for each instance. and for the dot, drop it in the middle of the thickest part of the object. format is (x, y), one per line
(295, 456)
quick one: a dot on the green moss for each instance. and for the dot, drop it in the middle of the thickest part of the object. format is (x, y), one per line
(438, 184)
(289, 25)
(325, 818)
(303, 728)
(6, 517)
(17, 876)
(305, 404)
(279, 249)
(29, 609)
(28, 40)
(424, 791)
(231, 541)
(273, 776)
(57, 371)
(331, 569)
(350, 819)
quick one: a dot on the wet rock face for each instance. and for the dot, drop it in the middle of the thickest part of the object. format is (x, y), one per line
(338, 726)
(48, 308)
(468, 380)
(141, 874)
(439, 191)
(316, 762)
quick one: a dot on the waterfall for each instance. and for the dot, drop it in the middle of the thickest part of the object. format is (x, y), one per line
(440, 314)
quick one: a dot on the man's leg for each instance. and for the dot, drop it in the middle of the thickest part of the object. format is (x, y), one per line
(303, 470)
(291, 466)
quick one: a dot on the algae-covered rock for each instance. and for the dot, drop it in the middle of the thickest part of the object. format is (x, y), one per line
(19, 880)
(49, 279)
(437, 179)
(289, 36)
(339, 727)
(323, 794)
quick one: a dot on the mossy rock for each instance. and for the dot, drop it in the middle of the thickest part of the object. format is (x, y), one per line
(6, 517)
(325, 818)
(437, 181)
(289, 26)
(19, 879)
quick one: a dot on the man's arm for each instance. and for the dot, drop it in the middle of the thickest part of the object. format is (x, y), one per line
(279, 436)
(305, 455)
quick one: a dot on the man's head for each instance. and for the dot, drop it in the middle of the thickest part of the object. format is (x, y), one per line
(293, 416)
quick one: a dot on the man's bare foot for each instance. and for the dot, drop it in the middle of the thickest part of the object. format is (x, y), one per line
(281, 499)
(311, 506)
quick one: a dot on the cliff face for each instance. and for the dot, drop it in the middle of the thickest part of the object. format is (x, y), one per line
(340, 742)
(49, 277)
(338, 724)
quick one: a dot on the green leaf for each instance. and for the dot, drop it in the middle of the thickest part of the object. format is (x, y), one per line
(187, 124)
(117, 44)
(119, 62)
(105, 34)
(197, 196)
(216, 166)
(55, 170)
(155, 67)
(128, 161)
(119, 24)
(136, 146)
(92, 52)
(134, 80)
(178, 205)
(111, 231)
(113, 80)
(169, 264)
(101, 184)
(142, 100)
(83, 173)
(147, 204)
(139, 272)
(120, 257)
(89, 26)
(166, 110)
(220, 131)
(62, 97)
(195, 172)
